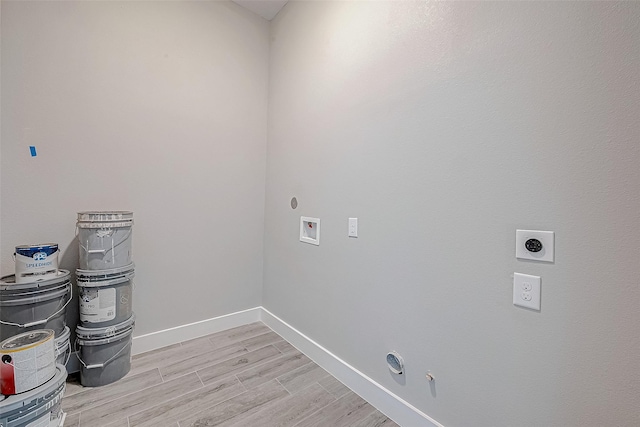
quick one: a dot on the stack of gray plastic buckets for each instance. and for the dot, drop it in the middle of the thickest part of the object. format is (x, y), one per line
(34, 338)
(105, 284)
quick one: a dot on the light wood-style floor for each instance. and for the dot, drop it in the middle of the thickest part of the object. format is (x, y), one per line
(246, 376)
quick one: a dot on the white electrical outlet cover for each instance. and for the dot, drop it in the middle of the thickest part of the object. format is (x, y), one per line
(545, 237)
(526, 291)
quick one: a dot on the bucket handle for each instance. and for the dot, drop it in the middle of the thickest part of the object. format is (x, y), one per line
(100, 365)
(102, 251)
(43, 321)
(68, 357)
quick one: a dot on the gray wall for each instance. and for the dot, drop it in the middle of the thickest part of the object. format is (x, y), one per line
(444, 127)
(155, 107)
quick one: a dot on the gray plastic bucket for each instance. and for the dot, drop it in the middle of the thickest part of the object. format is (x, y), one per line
(38, 407)
(105, 353)
(29, 306)
(105, 239)
(106, 296)
(63, 347)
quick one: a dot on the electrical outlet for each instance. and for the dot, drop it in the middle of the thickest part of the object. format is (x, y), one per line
(535, 245)
(526, 291)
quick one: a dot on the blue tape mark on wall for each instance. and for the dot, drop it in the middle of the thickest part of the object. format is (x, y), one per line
(33, 151)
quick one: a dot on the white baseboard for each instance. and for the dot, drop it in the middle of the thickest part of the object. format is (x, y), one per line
(400, 411)
(159, 339)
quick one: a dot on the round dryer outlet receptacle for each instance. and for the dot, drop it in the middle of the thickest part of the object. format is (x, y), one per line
(395, 362)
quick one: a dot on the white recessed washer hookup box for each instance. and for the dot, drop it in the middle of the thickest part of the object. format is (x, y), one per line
(310, 230)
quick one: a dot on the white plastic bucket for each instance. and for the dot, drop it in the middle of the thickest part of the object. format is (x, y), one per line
(106, 296)
(26, 361)
(36, 262)
(63, 347)
(29, 306)
(105, 239)
(38, 407)
(105, 353)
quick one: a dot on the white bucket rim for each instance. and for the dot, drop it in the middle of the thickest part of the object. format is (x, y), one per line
(37, 275)
(62, 346)
(62, 349)
(40, 295)
(9, 282)
(94, 341)
(102, 216)
(108, 283)
(105, 274)
(105, 219)
(39, 246)
(105, 331)
(102, 225)
(45, 335)
(49, 391)
(63, 338)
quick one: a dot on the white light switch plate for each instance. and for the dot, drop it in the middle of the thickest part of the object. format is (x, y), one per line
(545, 237)
(353, 227)
(526, 291)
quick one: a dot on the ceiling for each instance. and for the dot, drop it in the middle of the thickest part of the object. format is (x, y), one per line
(268, 9)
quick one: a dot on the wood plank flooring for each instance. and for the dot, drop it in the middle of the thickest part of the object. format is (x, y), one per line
(243, 377)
